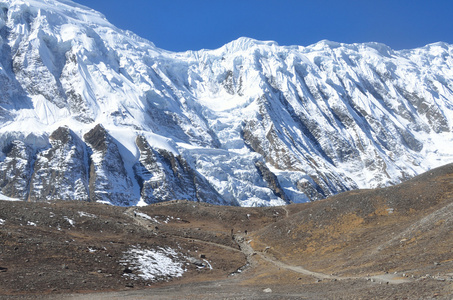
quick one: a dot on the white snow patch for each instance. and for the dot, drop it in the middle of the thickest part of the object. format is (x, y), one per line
(85, 214)
(160, 142)
(4, 198)
(145, 216)
(29, 223)
(224, 103)
(70, 221)
(168, 219)
(2, 222)
(207, 262)
(104, 202)
(46, 112)
(153, 264)
(141, 203)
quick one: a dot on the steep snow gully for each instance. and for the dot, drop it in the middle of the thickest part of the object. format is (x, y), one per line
(92, 112)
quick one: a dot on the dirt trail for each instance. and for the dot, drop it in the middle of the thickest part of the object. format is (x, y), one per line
(298, 269)
(247, 249)
(286, 211)
(249, 252)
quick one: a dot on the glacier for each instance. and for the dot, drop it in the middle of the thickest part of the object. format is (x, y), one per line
(95, 113)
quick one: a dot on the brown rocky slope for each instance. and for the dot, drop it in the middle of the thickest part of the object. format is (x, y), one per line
(395, 242)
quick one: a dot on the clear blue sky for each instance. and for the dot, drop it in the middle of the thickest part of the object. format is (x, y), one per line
(179, 25)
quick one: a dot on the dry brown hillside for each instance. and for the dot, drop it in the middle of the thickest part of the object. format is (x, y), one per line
(406, 228)
(395, 242)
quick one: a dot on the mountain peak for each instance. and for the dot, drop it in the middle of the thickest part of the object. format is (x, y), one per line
(250, 123)
(245, 43)
(327, 44)
(56, 12)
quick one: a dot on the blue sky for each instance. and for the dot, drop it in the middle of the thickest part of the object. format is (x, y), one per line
(178, 25)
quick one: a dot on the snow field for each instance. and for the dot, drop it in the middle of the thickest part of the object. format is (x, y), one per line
(153, 264)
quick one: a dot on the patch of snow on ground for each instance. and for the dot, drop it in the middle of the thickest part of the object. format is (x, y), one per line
(168, 219)
(4, 198)
(104, 202)
(85, 214)
(145, 216)
(70, 221)
(207, 262)
(151, 264)
(31, 223)
(2, 221)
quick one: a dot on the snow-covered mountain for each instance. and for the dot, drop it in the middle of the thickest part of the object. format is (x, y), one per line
(92, 112)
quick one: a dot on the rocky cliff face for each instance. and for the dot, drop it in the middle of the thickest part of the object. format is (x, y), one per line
(93, 170)
(109, 180)
(16, 170)
(251, 123)
(60, 172)
(164, 177)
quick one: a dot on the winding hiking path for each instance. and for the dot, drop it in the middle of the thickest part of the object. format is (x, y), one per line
(286, 211)
(249, 252)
